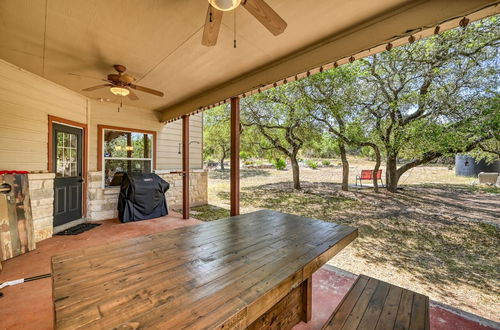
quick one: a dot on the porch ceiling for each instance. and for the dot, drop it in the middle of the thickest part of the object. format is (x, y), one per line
(160, 42)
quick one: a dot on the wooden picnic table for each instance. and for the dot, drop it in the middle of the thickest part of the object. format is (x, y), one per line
(252, 270)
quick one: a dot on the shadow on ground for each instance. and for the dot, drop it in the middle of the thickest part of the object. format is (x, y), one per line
(442, 234)
(244, 173)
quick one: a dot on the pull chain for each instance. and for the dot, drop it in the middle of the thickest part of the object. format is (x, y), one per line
(234, 45)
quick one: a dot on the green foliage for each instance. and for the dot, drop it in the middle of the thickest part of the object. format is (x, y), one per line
(312, 164)
(216, 134)
(279, 164)
(326, 162)
(244, 155)
(420, 101)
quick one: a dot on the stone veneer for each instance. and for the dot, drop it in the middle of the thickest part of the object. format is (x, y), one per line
(42, 204)
(102, 203)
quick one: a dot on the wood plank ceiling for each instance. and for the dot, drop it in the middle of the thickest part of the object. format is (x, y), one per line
(160, 42)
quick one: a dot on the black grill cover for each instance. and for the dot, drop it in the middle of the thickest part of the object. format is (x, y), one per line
(142, 197)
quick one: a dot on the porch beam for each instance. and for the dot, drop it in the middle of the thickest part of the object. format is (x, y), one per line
(235, 156)
(185, 167)
(362, 35)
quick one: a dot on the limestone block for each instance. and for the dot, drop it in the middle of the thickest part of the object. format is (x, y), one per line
(42, 194)
(48, 184)
(42, 211)
(43, 233)
(41, 176)
(35, 184)
(43, 222)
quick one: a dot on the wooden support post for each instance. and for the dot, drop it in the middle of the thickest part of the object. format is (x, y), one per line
(185, 167)
(235, 156)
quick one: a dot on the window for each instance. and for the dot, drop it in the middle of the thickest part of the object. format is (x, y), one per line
(125, 151)
(66, 148)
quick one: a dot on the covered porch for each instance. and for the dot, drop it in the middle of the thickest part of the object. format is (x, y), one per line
(48, 65)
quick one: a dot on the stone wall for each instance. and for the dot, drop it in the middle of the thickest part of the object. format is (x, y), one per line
(42, 204)
(102, 203)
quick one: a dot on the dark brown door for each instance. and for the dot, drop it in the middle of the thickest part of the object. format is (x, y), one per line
(67, 164)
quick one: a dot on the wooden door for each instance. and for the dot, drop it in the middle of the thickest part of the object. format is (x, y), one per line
(67, 164)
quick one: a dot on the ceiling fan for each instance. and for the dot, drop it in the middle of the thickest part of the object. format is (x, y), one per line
(258, 8)
(121, 84)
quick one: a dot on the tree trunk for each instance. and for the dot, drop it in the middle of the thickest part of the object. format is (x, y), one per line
(222, 161)
(345, 167)
(392, 176)
(295, 172)
(378, 160)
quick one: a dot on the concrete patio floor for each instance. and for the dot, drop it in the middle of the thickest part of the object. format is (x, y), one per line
(29, 305)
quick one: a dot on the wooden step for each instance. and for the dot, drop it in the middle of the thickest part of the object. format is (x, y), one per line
(374, 304)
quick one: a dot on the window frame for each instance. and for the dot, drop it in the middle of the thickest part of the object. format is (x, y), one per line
(100, 144)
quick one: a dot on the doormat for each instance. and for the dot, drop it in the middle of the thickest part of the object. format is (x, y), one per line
(78, 229)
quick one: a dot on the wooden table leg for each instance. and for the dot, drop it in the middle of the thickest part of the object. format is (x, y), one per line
(307, 300)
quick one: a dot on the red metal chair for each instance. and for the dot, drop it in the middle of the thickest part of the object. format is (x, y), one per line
(368, 175)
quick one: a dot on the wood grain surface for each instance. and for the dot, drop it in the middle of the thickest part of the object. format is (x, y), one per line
(222, 274)
(374, 304)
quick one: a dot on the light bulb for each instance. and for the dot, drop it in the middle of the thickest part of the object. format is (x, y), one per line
(224, 5)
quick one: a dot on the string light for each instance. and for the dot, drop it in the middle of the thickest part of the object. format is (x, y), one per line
(464, 22)
(411, 39)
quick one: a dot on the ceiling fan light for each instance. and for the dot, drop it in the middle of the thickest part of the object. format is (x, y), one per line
(224, 5)
(120, 91)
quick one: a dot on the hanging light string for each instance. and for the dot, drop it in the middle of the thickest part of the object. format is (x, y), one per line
(388, 45)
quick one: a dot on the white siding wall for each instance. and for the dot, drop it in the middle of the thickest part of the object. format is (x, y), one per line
(26, 100)
(168, 144)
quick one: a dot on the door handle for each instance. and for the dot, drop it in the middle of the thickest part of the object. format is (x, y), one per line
(81, 180)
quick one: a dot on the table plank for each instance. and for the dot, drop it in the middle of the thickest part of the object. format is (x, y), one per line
(225, 273)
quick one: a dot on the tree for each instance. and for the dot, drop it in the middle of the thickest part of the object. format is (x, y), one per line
(332, 100)
(216, 134)
(433, 97)
(278, 117)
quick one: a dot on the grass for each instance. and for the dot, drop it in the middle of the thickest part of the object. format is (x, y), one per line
(208, 212)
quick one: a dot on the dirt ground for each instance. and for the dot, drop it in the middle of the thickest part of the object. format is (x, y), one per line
(438, 236)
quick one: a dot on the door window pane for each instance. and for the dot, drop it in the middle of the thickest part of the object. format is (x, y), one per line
(67, 154)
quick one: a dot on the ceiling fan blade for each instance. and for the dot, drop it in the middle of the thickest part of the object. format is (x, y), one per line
(212, 26)
(96, 87)
(266, 16)
(146, 90)
(132, 96)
